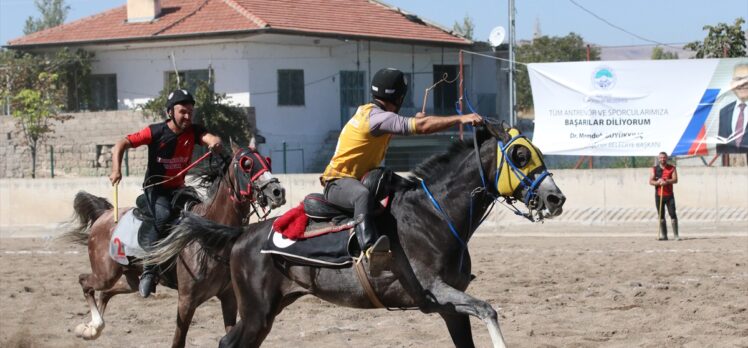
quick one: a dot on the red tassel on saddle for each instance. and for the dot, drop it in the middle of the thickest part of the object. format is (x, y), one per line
(293, 223)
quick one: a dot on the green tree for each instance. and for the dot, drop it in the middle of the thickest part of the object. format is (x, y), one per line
(213, 110)
(19, 70)
(659, 53)
(567, 48)
(36, 89)
(35, 109)
(53, 13)
(721, 41)
(466, 28)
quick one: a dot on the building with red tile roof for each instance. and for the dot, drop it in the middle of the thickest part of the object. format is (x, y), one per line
(184, 19)
(300, 66)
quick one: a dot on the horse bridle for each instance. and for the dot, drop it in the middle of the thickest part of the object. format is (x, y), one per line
(248, 166)
(530, 197)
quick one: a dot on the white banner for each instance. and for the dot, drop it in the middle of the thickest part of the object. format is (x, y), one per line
(640, 108)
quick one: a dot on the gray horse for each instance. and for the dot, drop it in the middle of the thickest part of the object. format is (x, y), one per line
(431, 218)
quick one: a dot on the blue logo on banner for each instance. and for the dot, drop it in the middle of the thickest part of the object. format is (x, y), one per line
(603, 78)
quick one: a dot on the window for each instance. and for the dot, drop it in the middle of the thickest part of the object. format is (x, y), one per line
(351, 93)
(291, 87)
(188, 79)
(103, 92)
(445, 94)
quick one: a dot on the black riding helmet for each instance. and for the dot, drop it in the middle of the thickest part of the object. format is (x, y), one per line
(389, 84)
(179, 96)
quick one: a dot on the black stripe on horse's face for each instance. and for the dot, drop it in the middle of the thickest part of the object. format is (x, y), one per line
(254, 180)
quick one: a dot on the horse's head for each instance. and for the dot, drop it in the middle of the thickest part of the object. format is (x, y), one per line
(520, 173)
(252, 178)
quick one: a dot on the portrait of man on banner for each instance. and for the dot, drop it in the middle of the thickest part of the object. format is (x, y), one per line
(733, 117)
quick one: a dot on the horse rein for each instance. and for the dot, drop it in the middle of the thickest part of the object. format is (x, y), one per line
(181, 172)
(508, 201)
(530, 197)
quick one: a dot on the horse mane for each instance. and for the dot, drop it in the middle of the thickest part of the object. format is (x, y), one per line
(209, 177)
(436, 164)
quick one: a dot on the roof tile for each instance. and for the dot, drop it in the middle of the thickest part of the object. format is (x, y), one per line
(366, 18)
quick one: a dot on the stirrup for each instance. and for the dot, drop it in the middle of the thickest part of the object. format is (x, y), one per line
(379, 256)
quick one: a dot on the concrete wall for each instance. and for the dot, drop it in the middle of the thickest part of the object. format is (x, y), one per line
(606, 197)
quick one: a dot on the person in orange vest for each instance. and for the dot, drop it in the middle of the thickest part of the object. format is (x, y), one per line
(663, 177)
(362, 145)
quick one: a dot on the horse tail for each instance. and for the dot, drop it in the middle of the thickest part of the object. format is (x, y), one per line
(88, 208)
(212, 236)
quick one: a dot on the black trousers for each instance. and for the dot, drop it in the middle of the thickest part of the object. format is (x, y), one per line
(159, 205)
(668, 202)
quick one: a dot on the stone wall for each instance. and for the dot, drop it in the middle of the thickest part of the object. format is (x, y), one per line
(81, 146)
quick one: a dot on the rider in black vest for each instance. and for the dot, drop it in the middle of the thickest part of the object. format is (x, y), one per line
(170, 146)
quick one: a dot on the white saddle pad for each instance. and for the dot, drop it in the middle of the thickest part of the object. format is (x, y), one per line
(124, 240)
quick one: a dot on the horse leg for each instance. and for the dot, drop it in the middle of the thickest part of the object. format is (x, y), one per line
(105, 273)
(89, 283)
(453, 302)
(259, 297)
(257, 316)
(228, 308)
(197, 283)
(193, 291)
(126, 285)
(185, 311)
(459, 329)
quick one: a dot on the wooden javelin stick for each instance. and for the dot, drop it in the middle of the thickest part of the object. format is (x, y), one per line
(659, 211)
(426, 93)
(116, 202)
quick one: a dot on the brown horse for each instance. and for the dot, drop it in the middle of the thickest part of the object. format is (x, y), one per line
(235, 189)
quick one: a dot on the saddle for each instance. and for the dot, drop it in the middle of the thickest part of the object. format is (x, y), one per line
(125, 245)
(309, 233)
(377, 181)
(183, 200)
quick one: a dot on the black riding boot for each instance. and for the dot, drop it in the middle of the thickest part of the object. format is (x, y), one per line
(375, 249)
(675, 229)
(663, 229)
(147, 237)
(148, 281)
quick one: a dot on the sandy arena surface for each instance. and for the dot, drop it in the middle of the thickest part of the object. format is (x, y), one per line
(549, 291)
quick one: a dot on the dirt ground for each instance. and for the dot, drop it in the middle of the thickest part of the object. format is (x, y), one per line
(549, 292)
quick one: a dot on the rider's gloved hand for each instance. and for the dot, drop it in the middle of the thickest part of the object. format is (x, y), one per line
(216, 148)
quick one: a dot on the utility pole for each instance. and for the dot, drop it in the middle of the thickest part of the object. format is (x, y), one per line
(512, 99)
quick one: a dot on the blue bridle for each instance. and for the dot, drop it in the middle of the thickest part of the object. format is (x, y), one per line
(525, 181)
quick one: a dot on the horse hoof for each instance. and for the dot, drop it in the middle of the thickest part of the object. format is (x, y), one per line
(91, 333)
(80, 329)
